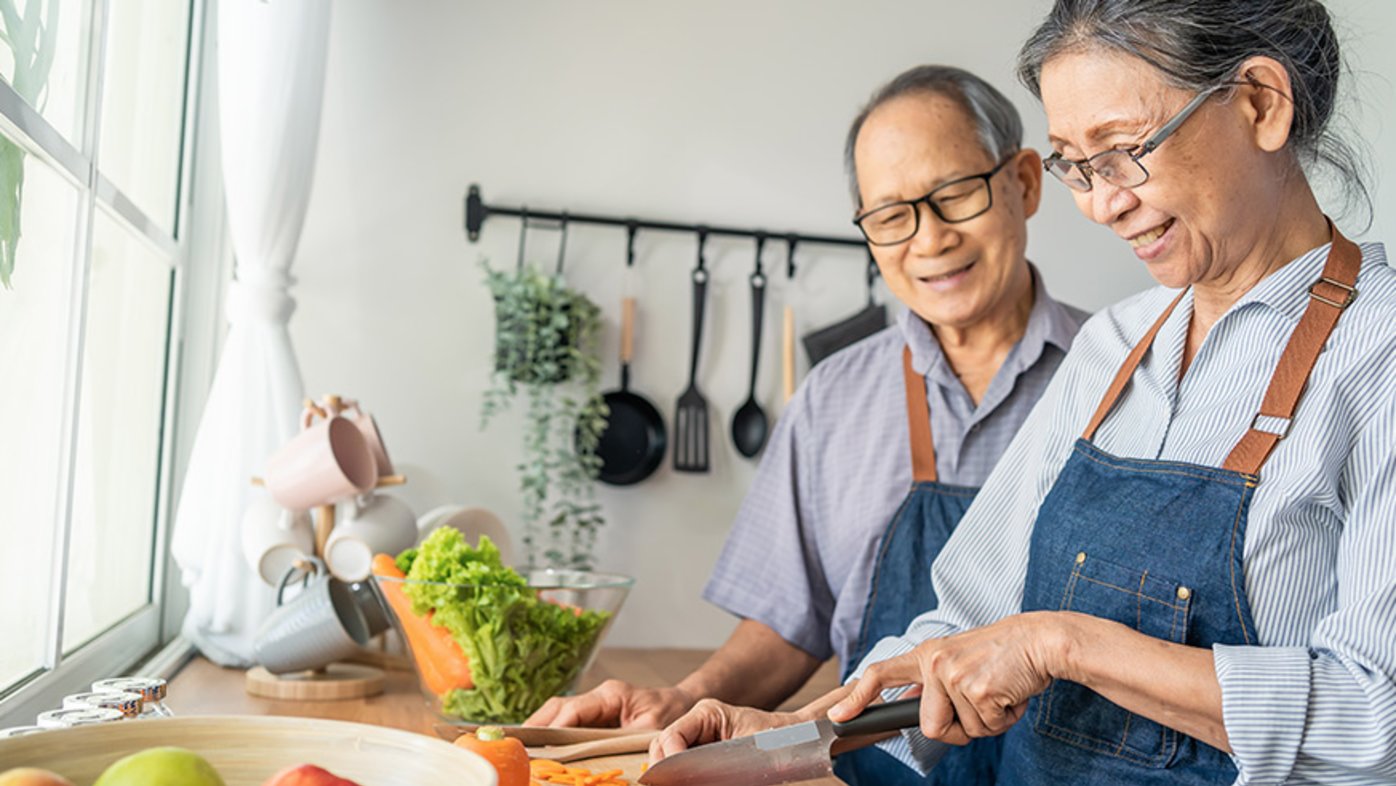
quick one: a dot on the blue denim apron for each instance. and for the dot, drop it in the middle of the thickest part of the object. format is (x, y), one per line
(1158, 546)
(901, 589)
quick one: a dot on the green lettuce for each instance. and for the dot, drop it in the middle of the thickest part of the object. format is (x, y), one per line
(522, 650)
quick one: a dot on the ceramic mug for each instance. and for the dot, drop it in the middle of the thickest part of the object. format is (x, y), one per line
(369, 428)
(321, 625)
(326, 462)
(373, 524)
(367, 600)
(274, 538)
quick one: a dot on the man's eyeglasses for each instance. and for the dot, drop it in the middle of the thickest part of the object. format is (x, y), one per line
(1122, 167)
(959, 200)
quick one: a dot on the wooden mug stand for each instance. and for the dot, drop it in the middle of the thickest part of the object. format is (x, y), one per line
(337, 680)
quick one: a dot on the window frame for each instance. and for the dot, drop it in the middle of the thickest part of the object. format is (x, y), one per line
(194, 333)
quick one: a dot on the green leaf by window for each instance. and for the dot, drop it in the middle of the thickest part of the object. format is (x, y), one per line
(31, 39)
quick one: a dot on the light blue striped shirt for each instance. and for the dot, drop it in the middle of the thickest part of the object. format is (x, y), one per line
(1316, 701)
(800, 555)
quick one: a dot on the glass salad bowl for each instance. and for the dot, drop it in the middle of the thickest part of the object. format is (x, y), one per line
(493, 648)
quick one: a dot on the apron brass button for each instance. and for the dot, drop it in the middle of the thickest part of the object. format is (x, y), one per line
(1080, 557)
(1184, 593)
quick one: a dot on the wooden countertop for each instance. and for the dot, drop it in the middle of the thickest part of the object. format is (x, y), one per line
(201, 688)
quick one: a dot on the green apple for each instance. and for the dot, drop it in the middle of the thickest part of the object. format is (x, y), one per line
(161, 767)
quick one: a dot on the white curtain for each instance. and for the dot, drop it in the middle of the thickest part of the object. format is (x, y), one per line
(271, 76)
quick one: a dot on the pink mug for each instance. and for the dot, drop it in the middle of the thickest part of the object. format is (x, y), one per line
(369, 427)
(326, 462)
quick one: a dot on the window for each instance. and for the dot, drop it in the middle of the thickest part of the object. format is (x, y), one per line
(95, 127)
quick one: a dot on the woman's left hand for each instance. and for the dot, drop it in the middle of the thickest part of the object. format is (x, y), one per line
(711, 720)
(974, 684)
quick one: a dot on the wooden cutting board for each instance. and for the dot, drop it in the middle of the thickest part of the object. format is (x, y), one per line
(633, 764)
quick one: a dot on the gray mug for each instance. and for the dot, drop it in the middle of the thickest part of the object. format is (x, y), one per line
(321, 625)
(375, 616)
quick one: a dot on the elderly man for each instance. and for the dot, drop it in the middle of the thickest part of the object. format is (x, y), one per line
(885, 444)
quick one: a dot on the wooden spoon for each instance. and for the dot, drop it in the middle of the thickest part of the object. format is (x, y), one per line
(536, 736)
(638, 742)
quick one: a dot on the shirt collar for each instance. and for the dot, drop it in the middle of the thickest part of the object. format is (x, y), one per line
(1049, 322)
(1286, 290)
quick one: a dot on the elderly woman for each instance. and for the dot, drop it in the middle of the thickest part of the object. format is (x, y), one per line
(1181, 571)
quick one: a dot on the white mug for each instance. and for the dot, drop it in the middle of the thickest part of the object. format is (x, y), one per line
(274, 538)
(372, 524)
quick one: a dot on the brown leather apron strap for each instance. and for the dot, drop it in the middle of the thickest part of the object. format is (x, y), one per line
(918, 419)
(1126, 371)
(1328, 297)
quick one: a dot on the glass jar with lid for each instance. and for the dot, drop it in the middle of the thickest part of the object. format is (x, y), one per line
(77, 716)
(153, 691)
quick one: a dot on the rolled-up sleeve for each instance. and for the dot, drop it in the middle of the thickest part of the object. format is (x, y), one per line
(769, 570)
(1326, 713)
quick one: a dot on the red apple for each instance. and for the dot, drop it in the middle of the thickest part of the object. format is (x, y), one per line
(30, 776)
(307, 775)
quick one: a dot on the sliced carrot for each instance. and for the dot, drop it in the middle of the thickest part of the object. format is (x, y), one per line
(547, 771)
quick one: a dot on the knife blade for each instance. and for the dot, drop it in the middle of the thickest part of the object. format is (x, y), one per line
(785, 755)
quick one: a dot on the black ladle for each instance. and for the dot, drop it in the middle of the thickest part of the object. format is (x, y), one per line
(749, 424)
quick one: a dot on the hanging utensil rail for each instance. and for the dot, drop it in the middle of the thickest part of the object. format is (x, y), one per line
(476, 211)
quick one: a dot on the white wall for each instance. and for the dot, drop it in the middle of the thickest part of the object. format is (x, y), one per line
(723, 111)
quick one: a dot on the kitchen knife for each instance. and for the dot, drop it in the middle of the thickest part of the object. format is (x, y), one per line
(785, 755)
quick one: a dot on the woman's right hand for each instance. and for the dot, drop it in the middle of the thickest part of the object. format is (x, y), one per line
(614, 703)
(713, 721)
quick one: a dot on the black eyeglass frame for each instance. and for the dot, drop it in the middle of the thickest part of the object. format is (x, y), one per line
(916, 214)
(1088, 171)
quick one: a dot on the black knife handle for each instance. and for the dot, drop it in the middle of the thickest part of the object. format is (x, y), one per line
(878, 718)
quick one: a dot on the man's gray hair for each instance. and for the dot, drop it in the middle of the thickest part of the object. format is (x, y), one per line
(996, 119)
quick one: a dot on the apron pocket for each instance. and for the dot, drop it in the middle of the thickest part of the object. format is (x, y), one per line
(1073, 714)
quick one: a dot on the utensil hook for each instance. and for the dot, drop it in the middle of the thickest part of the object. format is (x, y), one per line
(631, 229)
(562, 242)
(523, 236)
(700, 274)
(790, 242)
(758, 277)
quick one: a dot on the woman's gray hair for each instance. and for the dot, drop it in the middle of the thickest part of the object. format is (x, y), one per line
(1198, 44)
(996, 119)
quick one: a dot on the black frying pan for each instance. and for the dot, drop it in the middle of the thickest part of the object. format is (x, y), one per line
(633, 444)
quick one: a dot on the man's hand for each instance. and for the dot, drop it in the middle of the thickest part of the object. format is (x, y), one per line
(712, 721)
(614, 703)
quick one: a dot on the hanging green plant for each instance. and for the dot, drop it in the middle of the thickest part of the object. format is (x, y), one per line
(30, 37)
(546, 338)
